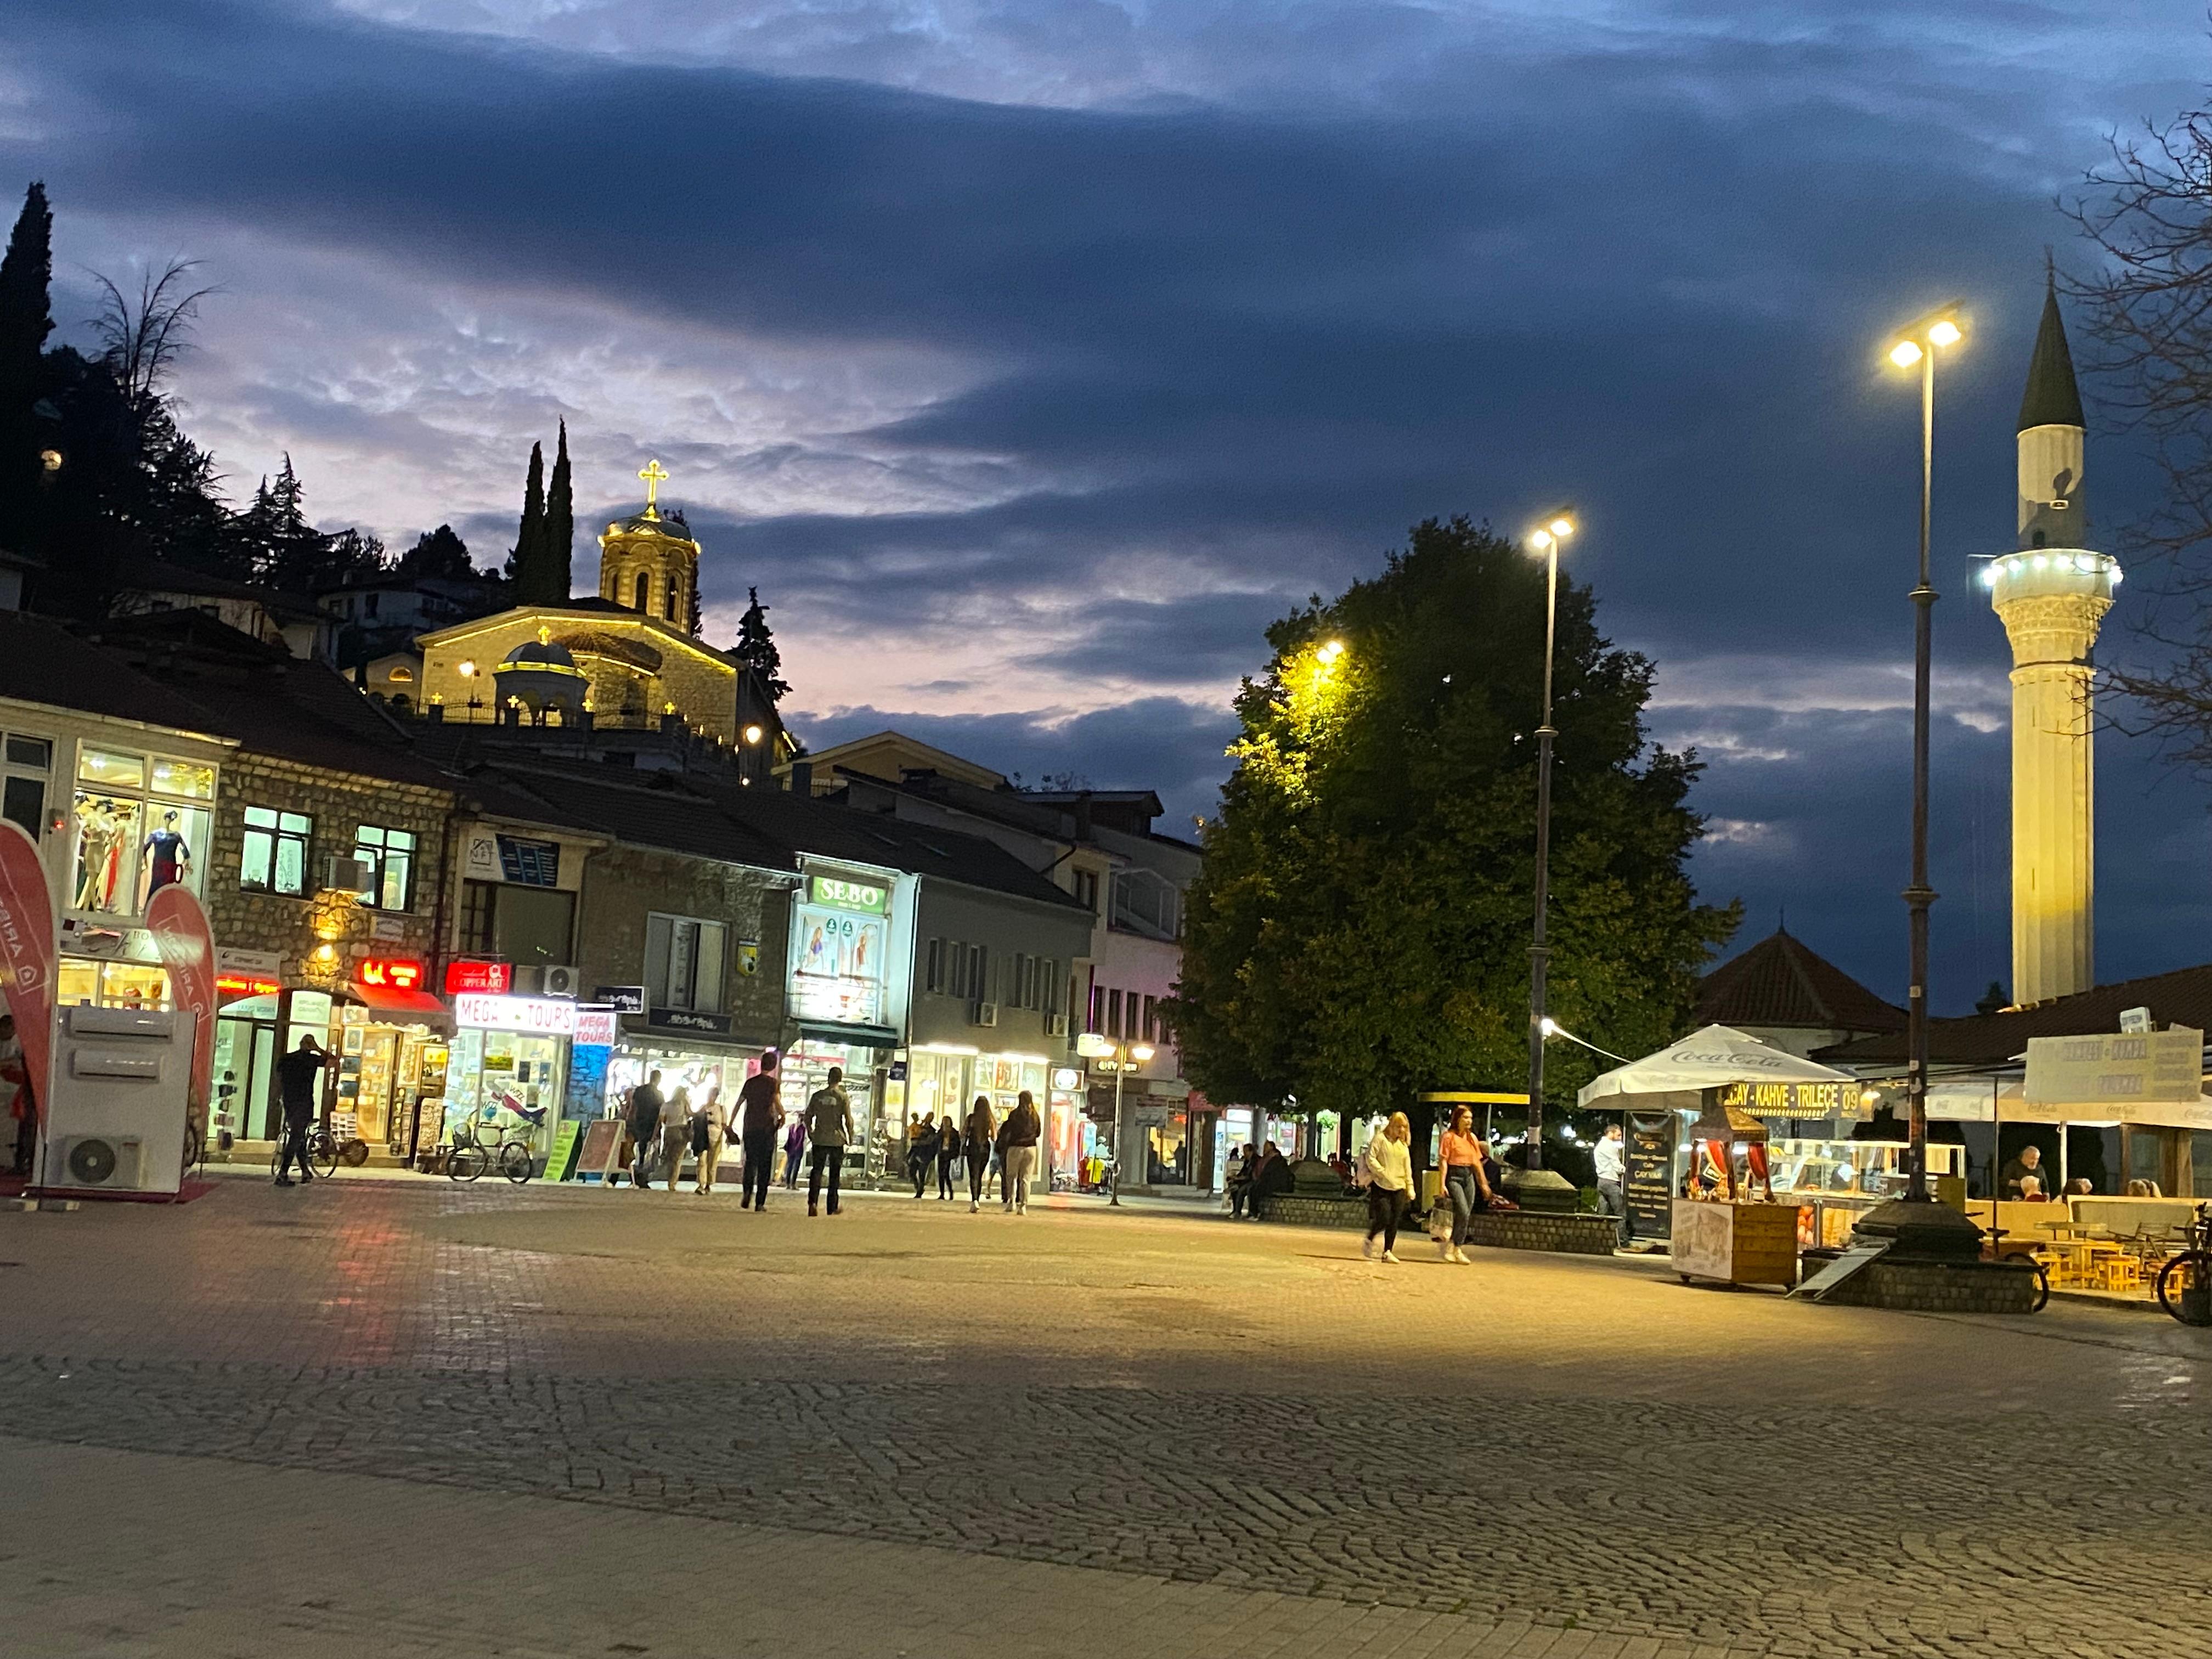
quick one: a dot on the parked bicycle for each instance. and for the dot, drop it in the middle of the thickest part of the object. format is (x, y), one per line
(2185, 1283)
(479, 1145)
(323, 1152)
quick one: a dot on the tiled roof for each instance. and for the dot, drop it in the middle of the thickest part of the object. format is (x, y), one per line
(43, 662)
(2182, 997)
(1778, 982)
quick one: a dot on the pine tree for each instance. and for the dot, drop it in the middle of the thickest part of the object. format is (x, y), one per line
(525, 567)
(25, 274)
(559, 528)
(755, 647)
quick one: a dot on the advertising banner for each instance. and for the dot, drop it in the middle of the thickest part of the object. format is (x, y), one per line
(2103, 1068)
(187, 944)
(27, 953)
(1648, 1174)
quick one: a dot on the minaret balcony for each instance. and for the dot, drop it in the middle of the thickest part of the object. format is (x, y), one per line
(2051, 573)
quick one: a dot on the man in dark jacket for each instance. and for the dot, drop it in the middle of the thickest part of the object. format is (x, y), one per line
(761, 1105)
(1017, 1143)
(1274, 1175)
(643, 1123)
(296, 1076)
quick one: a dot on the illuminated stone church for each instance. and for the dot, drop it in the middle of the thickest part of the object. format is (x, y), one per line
(630, 658)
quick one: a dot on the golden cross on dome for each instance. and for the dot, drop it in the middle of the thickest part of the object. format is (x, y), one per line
(654, 475)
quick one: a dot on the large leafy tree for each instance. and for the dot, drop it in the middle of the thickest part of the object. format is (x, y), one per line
(1360, 931)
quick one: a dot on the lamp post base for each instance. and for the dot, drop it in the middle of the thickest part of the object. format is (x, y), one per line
(1545, 1191)
(1921, 1230)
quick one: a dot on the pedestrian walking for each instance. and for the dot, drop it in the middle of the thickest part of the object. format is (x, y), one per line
(948, 1142)
(710, 1133)
(676, 1132)
(761, 1109)
(829, 1127)
(1388, 1167)
(1017, 1143)
(921, 1151)
(641, 1127)
(296, 1077)
(1612, 1159)
(978, 1134)
(794, 1148)
(1466, 1185)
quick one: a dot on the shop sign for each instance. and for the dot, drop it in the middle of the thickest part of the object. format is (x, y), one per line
(847, 893)
(535, 1016)
(837, 965)
(311, 1007)
(525, 863)
(231, 987)
(390, 929)
(393, 973)
(265, 964)
(1092, 1046)
(687, 1020)
(1067, 1077)
(622, 998)
(486, 978)
(1647, 1174)
(2165, 1065)
(597, 1026)
(1795, 1099)
(898, 1071)
(749, 956)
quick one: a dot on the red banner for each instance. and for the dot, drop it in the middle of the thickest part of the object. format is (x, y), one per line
(27, 952)
(180, 933)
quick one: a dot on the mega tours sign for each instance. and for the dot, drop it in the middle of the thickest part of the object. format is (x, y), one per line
(27, 953)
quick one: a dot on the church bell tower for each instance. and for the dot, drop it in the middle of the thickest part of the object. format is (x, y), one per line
(2052, 594)
(650, 564)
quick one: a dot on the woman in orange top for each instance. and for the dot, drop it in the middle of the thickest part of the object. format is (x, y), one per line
(1462, 1154)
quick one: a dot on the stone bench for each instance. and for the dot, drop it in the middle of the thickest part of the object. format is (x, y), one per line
(1514, 1230)
(1307, 1210)
(1982, 1287)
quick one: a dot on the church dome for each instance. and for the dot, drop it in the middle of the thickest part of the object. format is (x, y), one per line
(542, 653)
(540, 675)
(651, 524)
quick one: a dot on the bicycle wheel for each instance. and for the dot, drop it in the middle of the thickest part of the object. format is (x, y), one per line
(2184, 1287)
(2042, 1288)
(465, 1162)
(323, 1153)
(277, 1155)
(515, 1161)
(194, 1145)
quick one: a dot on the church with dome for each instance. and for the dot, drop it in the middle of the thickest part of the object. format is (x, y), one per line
(630, 657)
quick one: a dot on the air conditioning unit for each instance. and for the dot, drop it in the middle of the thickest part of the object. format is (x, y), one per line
(983, 1013)
(559, 982)
(344, 875)
(110, 1162)
(1056, 1024)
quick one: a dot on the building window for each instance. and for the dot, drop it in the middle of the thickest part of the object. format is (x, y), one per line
(1086, 889)
(644, 589)
(369, 603)
(25, 765)
(137, 829)
(684, 961)
(1114, 1013)
(934, 979)
(979, 974)
(670, 612)
(275, 859)
(1151, 1020)
(390, 856)
(478, 898)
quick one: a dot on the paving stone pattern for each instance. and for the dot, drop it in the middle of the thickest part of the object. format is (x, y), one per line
(1534, 1441)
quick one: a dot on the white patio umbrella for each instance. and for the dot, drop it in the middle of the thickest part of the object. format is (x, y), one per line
(1714, 1058)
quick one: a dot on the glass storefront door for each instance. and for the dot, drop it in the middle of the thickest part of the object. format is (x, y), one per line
(806, 1068)
(244, 1055)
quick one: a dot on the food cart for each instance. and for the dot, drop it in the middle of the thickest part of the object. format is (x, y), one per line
(1727, 1223)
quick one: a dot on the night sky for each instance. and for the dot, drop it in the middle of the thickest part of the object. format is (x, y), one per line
(1031, 356)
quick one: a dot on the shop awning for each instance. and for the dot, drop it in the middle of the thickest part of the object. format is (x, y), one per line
(391, 1000)
(857, 1036)
(1718, 1057)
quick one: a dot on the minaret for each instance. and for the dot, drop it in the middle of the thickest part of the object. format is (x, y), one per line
(2052, 594)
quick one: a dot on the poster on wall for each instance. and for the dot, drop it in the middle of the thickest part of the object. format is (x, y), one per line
(838, 973)
(1648, 1176)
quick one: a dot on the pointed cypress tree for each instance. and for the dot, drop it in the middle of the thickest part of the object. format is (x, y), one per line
(26, 272)
(526, 566)
(559, 528)
(755, 647)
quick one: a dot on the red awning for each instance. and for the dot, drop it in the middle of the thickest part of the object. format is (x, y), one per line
(391, 1000)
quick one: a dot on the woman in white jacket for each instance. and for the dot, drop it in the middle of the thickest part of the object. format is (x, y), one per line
(1389, 1170)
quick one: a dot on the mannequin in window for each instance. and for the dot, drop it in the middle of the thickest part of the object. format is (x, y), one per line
(103, 828)
(168, 860)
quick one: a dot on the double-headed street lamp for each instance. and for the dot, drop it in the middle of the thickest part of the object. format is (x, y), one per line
(1120, 1059)
(1916, 346)
(1545, 539)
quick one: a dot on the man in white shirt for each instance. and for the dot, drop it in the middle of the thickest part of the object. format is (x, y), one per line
(1612, 1154)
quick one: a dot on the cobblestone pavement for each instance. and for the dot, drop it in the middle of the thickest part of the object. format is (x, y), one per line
(1252, 1425)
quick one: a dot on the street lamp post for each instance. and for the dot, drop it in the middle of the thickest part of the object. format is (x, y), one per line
(1918, 345)
(1545, 541)
(1126, 1056)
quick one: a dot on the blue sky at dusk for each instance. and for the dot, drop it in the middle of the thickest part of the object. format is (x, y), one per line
(1030, 357)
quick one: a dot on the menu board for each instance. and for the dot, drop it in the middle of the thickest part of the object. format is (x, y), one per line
(1648, 1176)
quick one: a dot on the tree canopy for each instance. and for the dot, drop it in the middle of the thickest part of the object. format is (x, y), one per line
(1360, 931)
(755, 647)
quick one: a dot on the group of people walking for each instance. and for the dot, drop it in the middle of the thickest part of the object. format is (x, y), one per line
(660, 1131)
(1009, 1147)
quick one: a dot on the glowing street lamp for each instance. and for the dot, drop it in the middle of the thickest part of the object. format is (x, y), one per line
(1124, 1058)
(1546, 539)
(1916, 346)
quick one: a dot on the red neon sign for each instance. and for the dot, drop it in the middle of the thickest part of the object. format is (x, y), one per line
(485, 978)
(397, 973)
(246, 985)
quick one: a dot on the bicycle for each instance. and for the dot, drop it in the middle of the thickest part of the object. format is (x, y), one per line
(471, 1154)
(323, 1152)
(2185, 1283)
